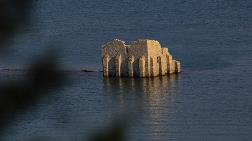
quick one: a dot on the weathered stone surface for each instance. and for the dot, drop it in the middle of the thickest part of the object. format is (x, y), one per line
(141, 58)
(177, 67)
(142, 67)
(130, 66)
(105, 63)
(118, 63)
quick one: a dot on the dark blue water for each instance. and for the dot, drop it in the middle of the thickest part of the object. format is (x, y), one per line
(210, 100)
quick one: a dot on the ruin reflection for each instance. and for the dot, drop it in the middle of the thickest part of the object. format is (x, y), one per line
(155, 96)
(152, 87)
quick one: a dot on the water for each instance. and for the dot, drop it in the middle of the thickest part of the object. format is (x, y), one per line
(209, 100)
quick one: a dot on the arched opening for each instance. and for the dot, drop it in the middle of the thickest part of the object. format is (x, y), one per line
(127, 50)
(159, 62)
(151, 67)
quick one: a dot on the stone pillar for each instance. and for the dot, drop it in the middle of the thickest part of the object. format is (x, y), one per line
(170, 64)
(162, 66)
(142, 66)
(105, 63)
(147, 65)
(130, 66)
(172, 70)
(177, 67)
(118, 62)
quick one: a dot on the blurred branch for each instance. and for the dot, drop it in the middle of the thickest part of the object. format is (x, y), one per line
(13, 15)
(44, 74)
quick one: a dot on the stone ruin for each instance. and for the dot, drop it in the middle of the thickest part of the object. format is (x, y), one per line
(141, 58)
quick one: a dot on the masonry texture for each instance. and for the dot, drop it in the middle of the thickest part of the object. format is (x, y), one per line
(141, 58)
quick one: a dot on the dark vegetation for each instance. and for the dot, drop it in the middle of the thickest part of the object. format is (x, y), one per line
(43, 74)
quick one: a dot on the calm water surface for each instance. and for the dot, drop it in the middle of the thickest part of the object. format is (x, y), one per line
(210, 100)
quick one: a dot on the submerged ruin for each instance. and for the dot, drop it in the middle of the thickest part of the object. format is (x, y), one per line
(141, 58)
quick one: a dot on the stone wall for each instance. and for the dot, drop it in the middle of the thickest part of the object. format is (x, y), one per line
(141, 58)
(138, 49)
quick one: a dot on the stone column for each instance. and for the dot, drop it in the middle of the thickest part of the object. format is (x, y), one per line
(162, 66)
(172, 70)
(105, 63)
(147, 66)
(170, 64)
(130, 66)
(142, 66)
(177, 67)
(118, 62)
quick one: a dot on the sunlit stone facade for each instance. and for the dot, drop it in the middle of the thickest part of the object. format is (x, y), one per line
(141, 58)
